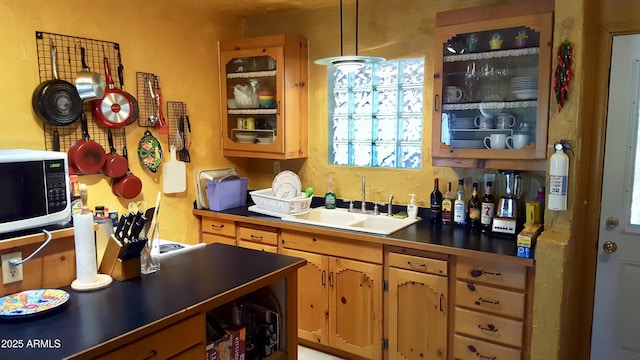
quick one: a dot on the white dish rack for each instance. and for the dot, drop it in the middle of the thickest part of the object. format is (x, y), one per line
(265, 199)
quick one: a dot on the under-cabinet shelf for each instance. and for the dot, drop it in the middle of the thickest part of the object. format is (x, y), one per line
(251, 74)
(492, 54)
(491, 105)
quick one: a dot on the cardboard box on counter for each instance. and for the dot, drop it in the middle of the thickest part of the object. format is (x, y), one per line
(226, 342)
(526, 240)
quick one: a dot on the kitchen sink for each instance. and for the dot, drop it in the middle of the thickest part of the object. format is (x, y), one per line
(345, 220)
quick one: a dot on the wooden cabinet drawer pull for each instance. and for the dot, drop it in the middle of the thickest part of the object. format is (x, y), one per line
(153, 355)
(489, 328)
(416, 265)
(480, 301)
(217, 227)
(324, 277)
(478, 273)
(256, 237)
(480, 356)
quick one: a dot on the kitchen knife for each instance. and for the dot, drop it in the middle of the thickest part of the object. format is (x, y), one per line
(127, 227)
(137, 228)
(118, 231)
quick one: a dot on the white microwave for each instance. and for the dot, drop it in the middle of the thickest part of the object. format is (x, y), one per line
(34, 189)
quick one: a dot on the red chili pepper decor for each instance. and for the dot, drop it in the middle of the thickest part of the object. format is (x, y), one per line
(563, 73)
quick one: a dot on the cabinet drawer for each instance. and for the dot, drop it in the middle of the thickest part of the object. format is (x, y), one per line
(486, 298)
(344, 248)
(269, 237)
(502, 274)
(490, 327)
(219, 227)
(465, 348)
(165, 343)
(417, 263)
(213, 238)
(257, 246)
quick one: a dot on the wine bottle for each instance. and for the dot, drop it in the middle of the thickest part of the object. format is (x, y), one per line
(487, 208)
(474, 208)
(459, 205)
(447, 205)
(436, 203)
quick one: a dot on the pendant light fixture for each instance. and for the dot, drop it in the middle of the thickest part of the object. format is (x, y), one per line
(352, 63)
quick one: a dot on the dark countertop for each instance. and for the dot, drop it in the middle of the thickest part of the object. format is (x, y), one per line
(423, 235)
(185, 285)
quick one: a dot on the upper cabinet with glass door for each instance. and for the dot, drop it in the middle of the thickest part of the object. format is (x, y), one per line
(263, 85)
(491, 92)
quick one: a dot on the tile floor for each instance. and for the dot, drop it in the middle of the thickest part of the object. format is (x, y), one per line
(305, 353)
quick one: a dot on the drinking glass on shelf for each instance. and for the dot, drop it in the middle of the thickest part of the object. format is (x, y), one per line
(470, 79)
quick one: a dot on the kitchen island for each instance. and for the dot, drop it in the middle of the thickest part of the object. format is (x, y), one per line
(160, 314)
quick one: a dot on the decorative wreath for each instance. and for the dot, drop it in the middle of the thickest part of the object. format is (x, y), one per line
(563, 73)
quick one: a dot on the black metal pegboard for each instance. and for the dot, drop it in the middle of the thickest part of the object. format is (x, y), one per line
(69, 64)
(147, 90)
(176, 113)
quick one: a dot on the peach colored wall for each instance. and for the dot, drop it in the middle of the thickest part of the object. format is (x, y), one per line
(179, 43)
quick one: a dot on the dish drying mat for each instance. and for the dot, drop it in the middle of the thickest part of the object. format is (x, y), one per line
(69, 64)
(175, 111)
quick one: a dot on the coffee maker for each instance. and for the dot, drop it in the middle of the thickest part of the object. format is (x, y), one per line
(508, 218)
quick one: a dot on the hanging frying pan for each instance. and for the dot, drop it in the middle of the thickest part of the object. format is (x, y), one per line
(136, 107)
(56, 101)
(115, 165)
(115, 110)
(85, 155)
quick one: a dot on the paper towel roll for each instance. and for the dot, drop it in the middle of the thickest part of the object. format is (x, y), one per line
(86, 263)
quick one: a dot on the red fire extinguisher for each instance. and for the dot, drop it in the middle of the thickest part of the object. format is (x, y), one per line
(558, 178)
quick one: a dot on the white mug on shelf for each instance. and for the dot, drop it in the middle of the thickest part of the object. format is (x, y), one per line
(483, 122)
(505, 121)
(496, 141)
(518, 141)
(454, 93)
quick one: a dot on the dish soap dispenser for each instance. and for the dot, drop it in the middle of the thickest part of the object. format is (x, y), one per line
(330, 196)
(412, 209)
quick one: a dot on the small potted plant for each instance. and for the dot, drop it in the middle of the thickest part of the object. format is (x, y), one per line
(521, 38)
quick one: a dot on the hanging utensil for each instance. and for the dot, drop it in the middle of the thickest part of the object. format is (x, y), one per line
(115, 110)
(184, 152)
(136, 107)
(153, 118)
(161, 125)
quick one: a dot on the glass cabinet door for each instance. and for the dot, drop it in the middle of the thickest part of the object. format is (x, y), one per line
(492, 89)
(252, 86)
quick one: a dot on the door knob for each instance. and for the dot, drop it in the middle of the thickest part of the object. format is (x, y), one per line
(609, 247)
(612, 222)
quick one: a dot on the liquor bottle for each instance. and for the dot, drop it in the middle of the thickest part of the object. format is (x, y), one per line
(460, 205)
(488, 208)
(330, 196)
(474, 208)
(447, 205)
(436, 203)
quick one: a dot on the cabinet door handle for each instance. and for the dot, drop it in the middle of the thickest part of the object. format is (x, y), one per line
(152, 355)
(489, 328)
(441, 299)
(480, 272)
(256, 237)
(435, 102)
(217, 227)
(481, 300)
(331, 278)
(324, 277)
(278, 108)
(416, 265)
(478, 355)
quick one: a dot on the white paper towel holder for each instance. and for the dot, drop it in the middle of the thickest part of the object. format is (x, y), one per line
(101, 280)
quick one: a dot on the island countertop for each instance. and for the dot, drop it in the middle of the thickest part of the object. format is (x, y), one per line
(96, 322)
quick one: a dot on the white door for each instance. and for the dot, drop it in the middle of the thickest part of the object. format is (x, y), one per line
(616, 316)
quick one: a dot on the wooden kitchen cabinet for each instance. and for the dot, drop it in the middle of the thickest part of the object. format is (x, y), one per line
(339, 298)
(417, 307)
(217, 230)
(493, 70)
(277, 64)
(492, 316)
(258, 237)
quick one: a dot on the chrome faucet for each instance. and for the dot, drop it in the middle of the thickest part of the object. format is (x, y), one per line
(363, 207)
(390, 206)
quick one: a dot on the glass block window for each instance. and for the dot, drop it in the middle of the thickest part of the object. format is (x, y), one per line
(375, 115)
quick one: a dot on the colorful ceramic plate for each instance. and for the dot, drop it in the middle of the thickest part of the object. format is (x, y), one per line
(32, 302)
(150, 151)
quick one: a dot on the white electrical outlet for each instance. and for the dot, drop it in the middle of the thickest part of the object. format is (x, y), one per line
(489, 177)
(11, 274)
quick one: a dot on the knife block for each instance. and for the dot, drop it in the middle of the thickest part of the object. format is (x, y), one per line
(118, 269)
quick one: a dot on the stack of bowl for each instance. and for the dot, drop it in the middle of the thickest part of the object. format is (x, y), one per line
(266, 99)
